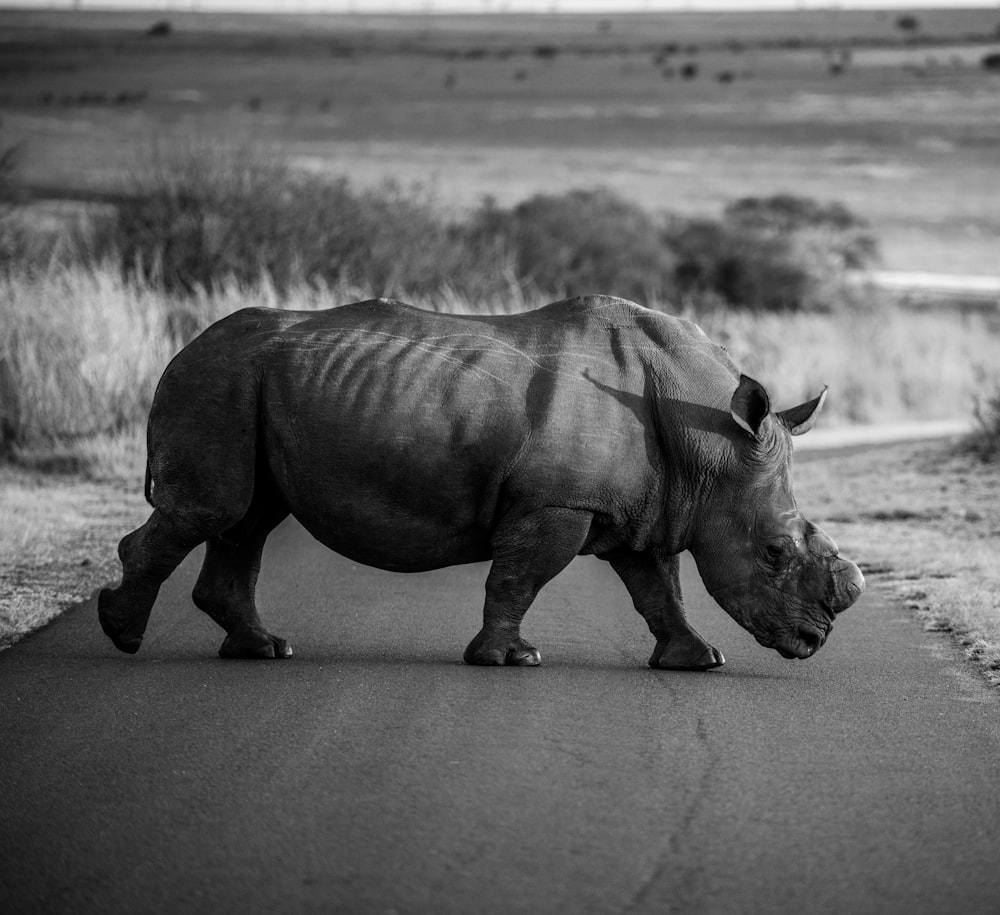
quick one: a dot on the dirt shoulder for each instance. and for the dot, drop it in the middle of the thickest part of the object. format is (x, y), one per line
(922, 520)
(58, 540)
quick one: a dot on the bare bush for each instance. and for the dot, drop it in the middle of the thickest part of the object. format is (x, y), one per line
(908, 24)
(584, 241)
(744, 270)
(842, 237)
(10, 157)
(191, 218)
(984, 440)
(991, 62)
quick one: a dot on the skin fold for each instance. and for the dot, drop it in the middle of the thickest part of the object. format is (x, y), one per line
(409, 440)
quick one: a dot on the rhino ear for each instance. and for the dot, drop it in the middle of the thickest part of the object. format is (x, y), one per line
(750, 405)
(801, 418)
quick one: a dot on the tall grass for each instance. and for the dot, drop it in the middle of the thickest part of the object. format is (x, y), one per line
(82, 350)
(882, 362)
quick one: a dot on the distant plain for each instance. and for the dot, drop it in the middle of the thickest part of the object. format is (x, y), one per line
(902, 125)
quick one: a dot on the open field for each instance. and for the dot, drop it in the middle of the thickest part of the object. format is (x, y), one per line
(903, 128)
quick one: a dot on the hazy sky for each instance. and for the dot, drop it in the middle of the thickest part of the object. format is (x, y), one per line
(495, 5)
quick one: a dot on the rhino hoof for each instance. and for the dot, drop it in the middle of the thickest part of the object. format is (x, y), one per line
(254, 646)
(130, 644)
(515, 654)
(523, 657)
(704, 657)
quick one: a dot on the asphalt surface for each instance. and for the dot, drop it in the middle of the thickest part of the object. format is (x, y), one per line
(374, 772)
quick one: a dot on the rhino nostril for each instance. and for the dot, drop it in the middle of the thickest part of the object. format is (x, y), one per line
(811, 639)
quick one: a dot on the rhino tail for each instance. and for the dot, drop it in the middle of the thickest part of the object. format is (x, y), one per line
(147, 489)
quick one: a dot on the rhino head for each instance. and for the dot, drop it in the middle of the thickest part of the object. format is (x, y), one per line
(777, 574)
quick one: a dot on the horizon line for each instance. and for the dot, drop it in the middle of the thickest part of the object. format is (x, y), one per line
(495, 7)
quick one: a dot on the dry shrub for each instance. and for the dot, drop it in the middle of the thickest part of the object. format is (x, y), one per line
(193, 216)
(578, 243)
(739, 270)
(984, 441)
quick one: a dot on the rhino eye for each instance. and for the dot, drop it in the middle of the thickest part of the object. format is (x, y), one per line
(775, 549)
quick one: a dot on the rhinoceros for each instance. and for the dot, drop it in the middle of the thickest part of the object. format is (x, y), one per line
(409, 440)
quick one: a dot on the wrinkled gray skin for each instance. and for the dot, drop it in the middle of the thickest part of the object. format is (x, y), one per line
(408, 441)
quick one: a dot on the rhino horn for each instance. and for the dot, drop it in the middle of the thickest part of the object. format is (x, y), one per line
(801, 418)
(750, 405)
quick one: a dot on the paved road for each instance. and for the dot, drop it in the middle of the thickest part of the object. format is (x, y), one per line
(376, 773)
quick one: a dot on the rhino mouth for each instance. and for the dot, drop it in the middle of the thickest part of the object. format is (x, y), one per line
(800, 644)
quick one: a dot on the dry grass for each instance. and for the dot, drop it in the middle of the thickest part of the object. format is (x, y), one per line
(84, 350)
(881, 363)
(58, 540)
(925, 519)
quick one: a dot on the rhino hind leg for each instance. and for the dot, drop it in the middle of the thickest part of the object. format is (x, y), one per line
(528, 551)
(149, 554)
(653, 581)
(226, 586)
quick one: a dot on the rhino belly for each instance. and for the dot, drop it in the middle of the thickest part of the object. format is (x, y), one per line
(406, 496)
(369, 527)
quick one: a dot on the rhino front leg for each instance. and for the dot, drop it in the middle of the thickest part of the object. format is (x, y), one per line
(528, 551)
(653, 581)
